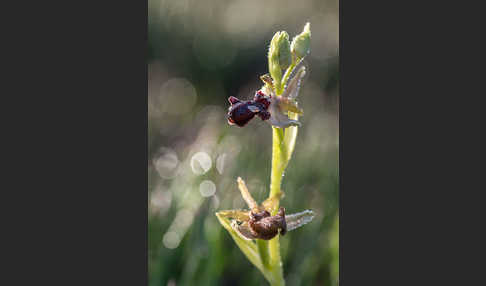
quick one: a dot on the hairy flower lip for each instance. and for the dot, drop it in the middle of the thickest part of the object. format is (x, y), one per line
(292, 222)
(267, 105)
(257, 223)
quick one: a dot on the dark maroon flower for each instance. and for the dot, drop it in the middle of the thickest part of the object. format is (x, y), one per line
(266, 105)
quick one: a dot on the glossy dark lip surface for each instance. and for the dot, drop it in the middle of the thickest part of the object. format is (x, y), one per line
(241, 112)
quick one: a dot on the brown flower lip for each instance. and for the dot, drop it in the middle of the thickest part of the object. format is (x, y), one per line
(258, 223)
(264, 226)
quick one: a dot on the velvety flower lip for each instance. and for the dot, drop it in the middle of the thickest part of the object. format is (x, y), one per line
(267, 105)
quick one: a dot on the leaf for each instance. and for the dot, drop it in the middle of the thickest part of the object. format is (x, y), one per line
(248, 247)
(240, 215)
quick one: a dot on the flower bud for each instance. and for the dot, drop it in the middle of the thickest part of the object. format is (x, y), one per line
(301, 43)
(284, 55)
(274, 56)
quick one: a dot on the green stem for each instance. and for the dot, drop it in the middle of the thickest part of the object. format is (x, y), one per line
(279, 162)
(280, 159)
(276, 268)
(262, 246)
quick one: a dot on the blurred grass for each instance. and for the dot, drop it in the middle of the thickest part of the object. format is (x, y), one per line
(199, 54)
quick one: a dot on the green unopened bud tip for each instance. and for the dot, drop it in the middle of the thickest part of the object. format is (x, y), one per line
(284, 55)
(274, 57)
(300, 46)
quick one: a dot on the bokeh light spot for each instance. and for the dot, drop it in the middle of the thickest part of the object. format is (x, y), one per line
(160, 201)
(207, 188)
(183, 219)
(220, 163)
(215, 202)
(166, 163)
(200, 163)
(177, 96)
(171, 240)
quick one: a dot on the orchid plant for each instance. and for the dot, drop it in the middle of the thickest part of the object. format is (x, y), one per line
(257, 230)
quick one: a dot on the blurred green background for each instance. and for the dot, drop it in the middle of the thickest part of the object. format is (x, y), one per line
(200, 53)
